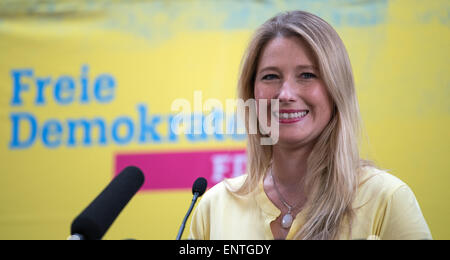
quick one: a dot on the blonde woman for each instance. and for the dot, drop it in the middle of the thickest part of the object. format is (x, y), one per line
(311, 184)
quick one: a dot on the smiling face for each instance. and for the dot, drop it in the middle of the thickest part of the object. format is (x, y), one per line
(287, 71)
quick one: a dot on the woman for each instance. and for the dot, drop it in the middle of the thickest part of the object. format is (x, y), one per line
(311, 184)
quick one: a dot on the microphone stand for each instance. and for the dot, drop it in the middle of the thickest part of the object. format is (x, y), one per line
(183, 224)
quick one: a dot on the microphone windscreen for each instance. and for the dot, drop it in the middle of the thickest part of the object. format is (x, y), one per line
(199, 186)
(95, 220)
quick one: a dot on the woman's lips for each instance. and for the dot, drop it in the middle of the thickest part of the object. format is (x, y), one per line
(288, 116)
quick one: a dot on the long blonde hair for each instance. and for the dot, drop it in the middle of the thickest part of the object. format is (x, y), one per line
(334, 163)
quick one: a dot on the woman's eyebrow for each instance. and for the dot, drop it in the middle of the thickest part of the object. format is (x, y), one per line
(301, 66)
(268, 68)
(304, 66)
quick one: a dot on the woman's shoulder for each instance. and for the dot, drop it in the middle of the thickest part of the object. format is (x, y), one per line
(391, 205)
(224, 188)
(377, 181)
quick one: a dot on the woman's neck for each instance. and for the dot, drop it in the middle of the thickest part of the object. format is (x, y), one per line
(289, 165)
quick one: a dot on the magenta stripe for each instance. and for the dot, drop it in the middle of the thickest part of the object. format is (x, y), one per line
(178, 170)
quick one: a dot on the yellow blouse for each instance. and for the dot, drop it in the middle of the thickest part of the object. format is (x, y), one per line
(386, 208)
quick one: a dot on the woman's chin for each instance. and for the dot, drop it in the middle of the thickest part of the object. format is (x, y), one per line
(290, 140)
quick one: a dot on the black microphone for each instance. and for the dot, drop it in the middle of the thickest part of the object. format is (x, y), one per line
(95, 220)
(198, 189)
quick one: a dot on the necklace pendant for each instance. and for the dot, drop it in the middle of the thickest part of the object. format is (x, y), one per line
(286, 221)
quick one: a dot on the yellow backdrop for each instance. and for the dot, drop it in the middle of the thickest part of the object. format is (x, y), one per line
(65, 62)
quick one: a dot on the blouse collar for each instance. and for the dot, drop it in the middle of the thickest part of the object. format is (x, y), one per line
(271, 212)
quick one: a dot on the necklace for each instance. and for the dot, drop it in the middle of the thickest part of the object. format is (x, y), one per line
(287, 219)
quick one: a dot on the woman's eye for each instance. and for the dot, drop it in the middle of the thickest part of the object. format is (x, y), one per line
(270, 77)
(307, 75)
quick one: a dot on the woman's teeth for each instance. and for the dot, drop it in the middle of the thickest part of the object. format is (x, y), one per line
(290, 115)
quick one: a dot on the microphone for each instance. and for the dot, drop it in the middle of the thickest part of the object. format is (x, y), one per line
(198, 189)
(95, 220)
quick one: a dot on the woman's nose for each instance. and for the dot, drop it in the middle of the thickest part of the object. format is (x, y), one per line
(287, 91)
